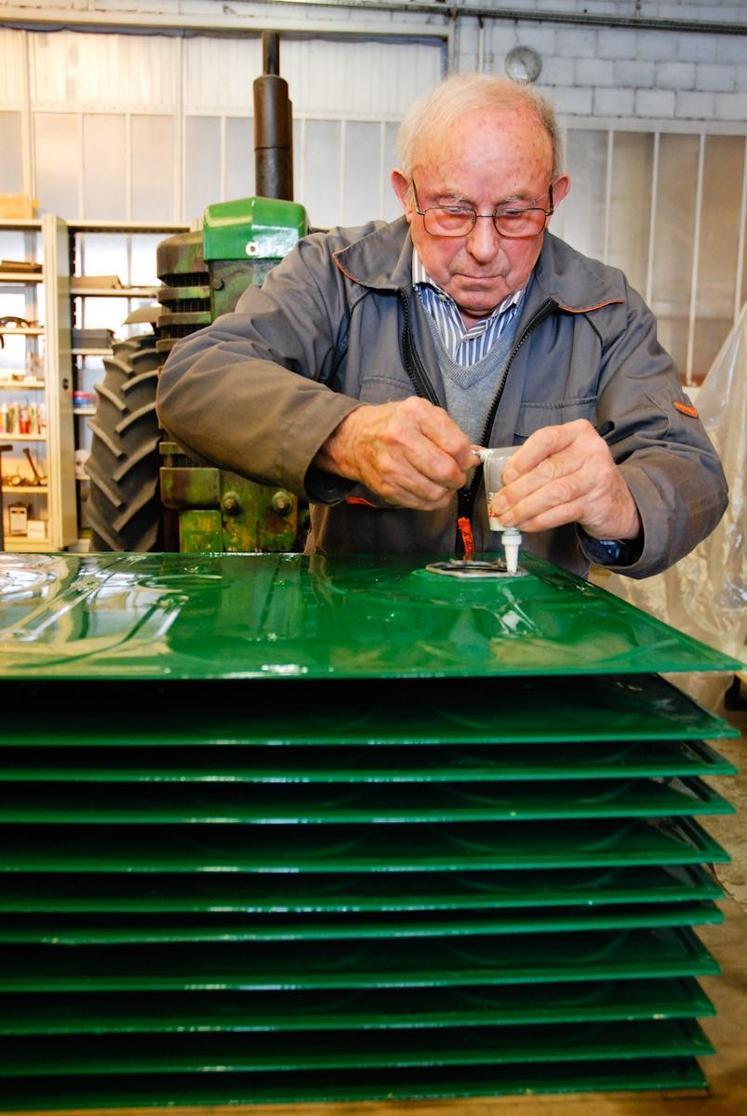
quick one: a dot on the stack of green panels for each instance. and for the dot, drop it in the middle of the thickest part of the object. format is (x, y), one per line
(284, 829)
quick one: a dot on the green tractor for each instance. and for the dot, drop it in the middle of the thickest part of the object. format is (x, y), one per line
(145, 494)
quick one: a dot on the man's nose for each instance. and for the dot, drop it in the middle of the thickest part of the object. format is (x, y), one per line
(484, 240)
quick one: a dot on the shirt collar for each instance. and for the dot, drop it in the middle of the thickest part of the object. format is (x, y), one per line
(420, 277)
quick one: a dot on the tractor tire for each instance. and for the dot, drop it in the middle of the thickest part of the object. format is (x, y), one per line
(124, 508)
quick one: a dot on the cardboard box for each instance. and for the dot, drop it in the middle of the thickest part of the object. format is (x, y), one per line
(18, 206)
(18, 519)
(93, 338)
(36, 529)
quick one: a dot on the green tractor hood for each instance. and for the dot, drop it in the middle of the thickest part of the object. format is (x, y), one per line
(253, 228)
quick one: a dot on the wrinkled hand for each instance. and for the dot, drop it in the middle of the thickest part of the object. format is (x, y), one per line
(409, 453)
(565, 474)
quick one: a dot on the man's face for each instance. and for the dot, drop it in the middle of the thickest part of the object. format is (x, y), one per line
(488, 161)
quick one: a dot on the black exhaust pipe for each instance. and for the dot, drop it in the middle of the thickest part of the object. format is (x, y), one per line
(273, 126)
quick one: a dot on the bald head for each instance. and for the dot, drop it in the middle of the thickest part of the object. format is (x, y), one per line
(443, 108)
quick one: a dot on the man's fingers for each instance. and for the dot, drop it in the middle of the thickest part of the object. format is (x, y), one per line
(416, 452)
(408, 452)
(555, 468)
(400, 482)
(566, 474)
(443, 453)
(532, 497)
(544, 444)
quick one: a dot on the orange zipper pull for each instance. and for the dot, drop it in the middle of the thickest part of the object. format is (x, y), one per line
(468, 539)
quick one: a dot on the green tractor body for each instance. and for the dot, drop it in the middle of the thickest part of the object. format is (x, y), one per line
(203, 274)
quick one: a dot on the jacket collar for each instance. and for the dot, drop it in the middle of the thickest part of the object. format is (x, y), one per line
(575, 282)
(382, 259)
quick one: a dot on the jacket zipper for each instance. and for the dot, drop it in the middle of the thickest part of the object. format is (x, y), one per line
(424, 388)
(411, 357)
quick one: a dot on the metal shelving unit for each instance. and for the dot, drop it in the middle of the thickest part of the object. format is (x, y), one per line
(34, 362)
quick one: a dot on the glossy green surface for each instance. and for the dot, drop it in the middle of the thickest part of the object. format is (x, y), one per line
(436, 849)
(409, 712)
(530, 959)
(371, 1009)
(74, 930)
(313, 764)
(295, 617)
(575, 1042)
(378, 849)
(350, 1085)
(301, 805)
(220, 893)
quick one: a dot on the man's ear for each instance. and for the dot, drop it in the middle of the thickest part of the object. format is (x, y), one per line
(401, 187)
(560, 188)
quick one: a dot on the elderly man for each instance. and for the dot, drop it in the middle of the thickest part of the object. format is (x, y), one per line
(374, 359)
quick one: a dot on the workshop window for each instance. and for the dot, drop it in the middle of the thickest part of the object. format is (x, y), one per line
(669, 209)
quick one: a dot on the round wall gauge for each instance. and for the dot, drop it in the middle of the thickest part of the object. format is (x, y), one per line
(523, 64)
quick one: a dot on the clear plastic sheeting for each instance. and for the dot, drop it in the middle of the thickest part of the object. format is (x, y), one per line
(705, 594)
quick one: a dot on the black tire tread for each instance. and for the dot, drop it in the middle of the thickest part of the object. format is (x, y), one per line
(124, 508)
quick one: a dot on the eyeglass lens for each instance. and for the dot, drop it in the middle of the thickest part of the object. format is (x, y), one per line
(460, 220)
(446, 222)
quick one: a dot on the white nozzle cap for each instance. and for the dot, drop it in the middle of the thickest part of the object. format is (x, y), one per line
(511, 540)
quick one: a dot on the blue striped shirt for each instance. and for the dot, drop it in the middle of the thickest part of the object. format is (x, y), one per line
(464, 346)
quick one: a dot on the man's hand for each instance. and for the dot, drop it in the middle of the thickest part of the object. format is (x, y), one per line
(409, 453)
(565, 474)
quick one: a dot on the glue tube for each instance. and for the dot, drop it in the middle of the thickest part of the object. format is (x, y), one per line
(511, 541)
(494, 461)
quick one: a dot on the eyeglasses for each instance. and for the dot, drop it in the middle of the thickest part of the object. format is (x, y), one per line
(459, 220)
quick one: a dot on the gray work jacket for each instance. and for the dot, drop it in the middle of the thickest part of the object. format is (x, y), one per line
(259, 390)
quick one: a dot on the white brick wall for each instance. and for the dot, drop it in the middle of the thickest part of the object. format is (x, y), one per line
(695, 106)
(720, 79)
(635, 75)
(654, 103)
(675, 75)
(731, 106)
(628, 72)
(613, 102)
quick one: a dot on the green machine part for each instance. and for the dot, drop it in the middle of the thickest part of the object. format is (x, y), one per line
(204, 275)
(287, 828)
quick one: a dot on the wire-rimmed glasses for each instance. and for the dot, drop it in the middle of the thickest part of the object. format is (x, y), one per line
(510, 220)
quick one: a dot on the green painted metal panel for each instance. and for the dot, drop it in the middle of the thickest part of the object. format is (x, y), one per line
(390, 848)
(371, 1009)
(249, 228)
(189, 854)
(350, 1085)
(286, 617)
(120, 929)
(316, 764)
(576, 1042)
(341, 893)
(404, 712)
(200, 528)
(536, 958)
(589, 709)
(298, 805)
(220, 510)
